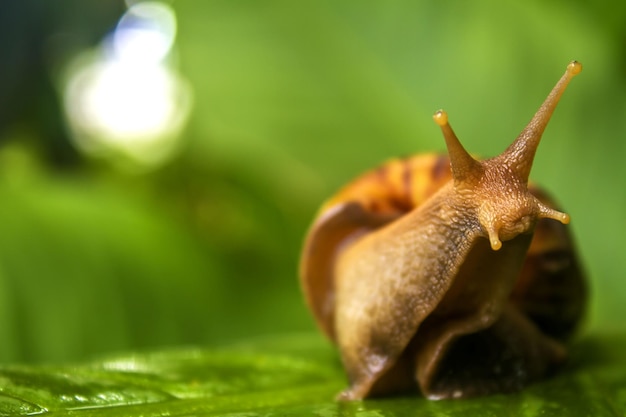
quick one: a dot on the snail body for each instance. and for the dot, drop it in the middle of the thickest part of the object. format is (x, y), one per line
(446, 273)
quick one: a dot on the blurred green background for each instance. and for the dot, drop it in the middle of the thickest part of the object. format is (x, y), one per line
(116, 240)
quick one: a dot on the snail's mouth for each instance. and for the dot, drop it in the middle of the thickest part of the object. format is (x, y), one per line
(525, 224)
(503, 231)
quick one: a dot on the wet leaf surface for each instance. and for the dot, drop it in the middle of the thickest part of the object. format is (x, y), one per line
(289, 375)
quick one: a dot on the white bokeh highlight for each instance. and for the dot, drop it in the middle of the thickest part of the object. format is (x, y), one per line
(127, 99)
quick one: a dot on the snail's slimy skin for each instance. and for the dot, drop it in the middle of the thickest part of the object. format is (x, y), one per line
(428, 274)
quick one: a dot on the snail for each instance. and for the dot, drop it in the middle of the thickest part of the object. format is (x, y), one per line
(447, 275)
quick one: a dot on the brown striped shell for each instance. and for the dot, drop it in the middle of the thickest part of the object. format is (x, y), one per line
(446, 273)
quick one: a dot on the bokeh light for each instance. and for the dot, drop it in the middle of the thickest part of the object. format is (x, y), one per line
(145, 33)
(126, 100)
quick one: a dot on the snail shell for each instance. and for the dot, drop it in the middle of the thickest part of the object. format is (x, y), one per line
(446, 274)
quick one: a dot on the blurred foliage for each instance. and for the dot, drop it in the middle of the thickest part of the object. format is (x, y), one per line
(292, 99)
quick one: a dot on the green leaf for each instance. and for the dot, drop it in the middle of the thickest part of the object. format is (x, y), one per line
(295, 375)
